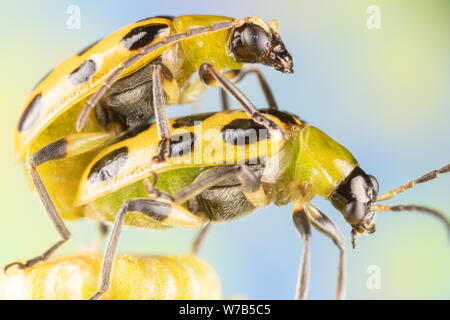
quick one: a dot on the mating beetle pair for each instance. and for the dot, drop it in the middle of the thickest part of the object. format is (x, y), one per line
(129, 77)
(217, 166)
(224, 165)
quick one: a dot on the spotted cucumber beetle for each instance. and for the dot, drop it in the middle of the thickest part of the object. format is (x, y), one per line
(147, 278)
(224, 165)
(129, 77)
(132, 74)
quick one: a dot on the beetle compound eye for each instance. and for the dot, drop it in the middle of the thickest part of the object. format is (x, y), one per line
(355, 212)
(256, 39)
(375, 186)
(249, 43)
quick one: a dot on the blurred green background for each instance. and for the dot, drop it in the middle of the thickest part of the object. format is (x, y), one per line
(384, 94)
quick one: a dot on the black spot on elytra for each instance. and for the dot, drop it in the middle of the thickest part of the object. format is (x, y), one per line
(83, 51)
(31, 114)
(189, 121)
(181, 144)
(164, 17)
(42, 79)
(83, 73)
(244, 132)
(284, 117)
(142, 36)
(108, 166)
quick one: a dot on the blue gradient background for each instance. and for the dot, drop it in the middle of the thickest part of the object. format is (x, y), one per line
(384, 94)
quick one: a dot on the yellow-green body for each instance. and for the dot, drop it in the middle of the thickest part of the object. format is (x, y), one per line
(210, 47)
(306, 164)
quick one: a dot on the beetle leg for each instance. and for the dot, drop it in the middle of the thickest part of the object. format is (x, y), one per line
(224, 99)
(170, 212)
(304, 228)
(324, 225)
(208, 74)
(63, 148)
(102, 115)
(200, 238)
(236, 75)
(102, 230)
(162, 122)
(148, 50)
(196, 88)
(101, 235)
(250, 184)
(162, 210)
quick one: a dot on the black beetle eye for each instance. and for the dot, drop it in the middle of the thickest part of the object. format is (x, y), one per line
(256, 39)
(250, 43)
(375, 187)
(355, 212)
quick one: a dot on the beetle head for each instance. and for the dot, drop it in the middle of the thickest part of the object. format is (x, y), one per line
(259, 42)
(354, 197)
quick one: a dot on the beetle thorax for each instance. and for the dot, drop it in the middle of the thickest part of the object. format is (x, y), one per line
(322, 163)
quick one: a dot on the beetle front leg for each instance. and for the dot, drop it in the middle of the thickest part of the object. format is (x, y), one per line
(197, 87)
(302, 225)
(208, 74)
(63, 148)
(324, 225)
(200, 238)
(237, 75)
(160, 108)
(250, 184)
(163, 210)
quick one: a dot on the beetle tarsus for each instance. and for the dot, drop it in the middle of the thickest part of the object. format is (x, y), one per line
(32, 262)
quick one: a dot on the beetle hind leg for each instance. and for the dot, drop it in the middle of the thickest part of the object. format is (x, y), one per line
(165, 211)
(65, 234)
(208, 74)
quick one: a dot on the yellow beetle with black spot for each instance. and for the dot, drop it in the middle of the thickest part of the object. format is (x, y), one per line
(165, 51)
(222, 166)
(129, 77)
